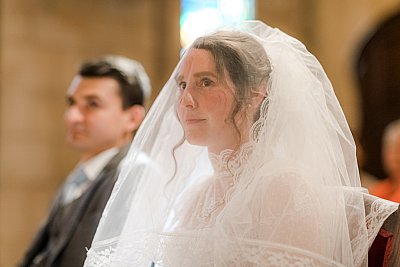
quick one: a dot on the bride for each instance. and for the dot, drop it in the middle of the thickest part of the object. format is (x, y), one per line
(253, 164)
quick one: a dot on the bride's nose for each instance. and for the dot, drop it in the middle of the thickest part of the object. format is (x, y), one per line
(187, 99)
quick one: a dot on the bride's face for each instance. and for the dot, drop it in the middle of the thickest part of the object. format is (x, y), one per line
(206, 102)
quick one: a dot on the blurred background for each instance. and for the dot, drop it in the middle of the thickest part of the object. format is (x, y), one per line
(42, 43)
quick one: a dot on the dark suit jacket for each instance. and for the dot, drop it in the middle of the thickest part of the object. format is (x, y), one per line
(69, 230)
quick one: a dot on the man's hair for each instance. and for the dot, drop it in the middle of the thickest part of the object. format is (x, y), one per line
(134, 84)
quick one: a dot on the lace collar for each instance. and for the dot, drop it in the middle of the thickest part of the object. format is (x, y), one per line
(229, 162)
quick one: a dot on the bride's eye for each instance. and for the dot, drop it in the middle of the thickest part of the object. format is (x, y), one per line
(182, 85)
(206, 82)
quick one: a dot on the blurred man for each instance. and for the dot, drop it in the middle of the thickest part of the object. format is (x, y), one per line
(105, 106)
(390, 187)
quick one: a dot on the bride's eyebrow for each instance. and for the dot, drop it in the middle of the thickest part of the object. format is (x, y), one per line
(179, 77)
(205, 73)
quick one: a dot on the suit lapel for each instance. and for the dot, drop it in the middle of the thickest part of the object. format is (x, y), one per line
(79, 206)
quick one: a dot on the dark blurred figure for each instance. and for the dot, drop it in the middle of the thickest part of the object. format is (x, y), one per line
(389, 188)
(378, 71)
(105, 106)
(367, 180)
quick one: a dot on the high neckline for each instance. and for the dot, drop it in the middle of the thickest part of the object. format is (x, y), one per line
(231, 162)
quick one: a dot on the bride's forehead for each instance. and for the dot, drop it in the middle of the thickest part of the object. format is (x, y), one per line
(197, 60)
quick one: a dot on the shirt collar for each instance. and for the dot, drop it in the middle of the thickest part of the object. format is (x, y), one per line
(95, 165)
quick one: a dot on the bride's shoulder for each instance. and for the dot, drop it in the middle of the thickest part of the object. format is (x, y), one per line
(280, 187)
(282, 179)
(281, 171)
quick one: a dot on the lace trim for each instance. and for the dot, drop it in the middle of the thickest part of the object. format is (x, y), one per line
(181, 250)
(258, 128)
(136, 251)
(380, 211)
(377, 212)
(229, 163)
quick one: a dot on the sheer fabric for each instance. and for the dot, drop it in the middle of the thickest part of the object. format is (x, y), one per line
(290, 196)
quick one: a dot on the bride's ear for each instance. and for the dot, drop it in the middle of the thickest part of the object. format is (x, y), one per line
(258, 96)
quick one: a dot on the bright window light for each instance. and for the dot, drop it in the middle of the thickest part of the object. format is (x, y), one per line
(200, 16)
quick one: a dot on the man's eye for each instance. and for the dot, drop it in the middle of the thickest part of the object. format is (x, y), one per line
(70, 102)
(182, 85)
(92, 104)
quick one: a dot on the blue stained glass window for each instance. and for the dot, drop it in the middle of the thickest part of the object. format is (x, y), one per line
(200, 16)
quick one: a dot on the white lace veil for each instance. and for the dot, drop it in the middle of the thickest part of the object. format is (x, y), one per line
(289, 196)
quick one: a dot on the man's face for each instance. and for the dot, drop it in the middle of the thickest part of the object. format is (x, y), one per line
(94, 118)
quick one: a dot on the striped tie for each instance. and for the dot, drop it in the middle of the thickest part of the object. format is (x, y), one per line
(76, 184)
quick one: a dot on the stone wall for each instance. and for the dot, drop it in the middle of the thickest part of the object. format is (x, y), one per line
(42, 45)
